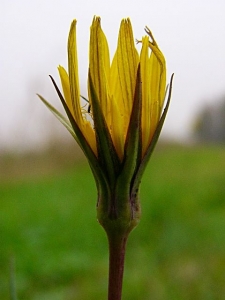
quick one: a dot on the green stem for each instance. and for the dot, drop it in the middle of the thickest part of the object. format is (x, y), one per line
(117, 248)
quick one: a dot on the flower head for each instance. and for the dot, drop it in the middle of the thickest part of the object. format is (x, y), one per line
(119, 127)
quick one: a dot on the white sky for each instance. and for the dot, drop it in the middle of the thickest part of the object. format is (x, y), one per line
(33, 36)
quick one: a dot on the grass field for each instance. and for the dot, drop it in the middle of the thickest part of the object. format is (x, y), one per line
(48, 226)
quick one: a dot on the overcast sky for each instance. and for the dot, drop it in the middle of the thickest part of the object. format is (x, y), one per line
(34, 34)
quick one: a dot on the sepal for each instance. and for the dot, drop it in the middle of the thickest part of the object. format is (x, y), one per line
(60, 117)
(138, 174)
(132, 149)
(107, 155)
(97, 171)
(123, 214)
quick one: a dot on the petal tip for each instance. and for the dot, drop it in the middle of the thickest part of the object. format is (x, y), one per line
(96, 21)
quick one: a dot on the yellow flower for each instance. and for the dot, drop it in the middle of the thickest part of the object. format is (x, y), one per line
(115, 84)
(119, 127)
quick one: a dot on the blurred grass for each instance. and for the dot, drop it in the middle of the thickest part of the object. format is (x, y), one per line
(48, 224)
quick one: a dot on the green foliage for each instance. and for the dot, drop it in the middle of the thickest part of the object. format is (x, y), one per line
(48, 224)
(209, 125)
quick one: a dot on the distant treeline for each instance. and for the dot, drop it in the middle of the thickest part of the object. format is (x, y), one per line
(209, 125)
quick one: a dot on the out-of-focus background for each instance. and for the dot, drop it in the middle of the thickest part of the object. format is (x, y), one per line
(48, 229)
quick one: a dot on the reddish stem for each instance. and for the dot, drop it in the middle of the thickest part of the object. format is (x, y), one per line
(117, 247)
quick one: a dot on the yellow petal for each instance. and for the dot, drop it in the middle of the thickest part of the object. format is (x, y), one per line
(153, 72)
(117, 114)
(66, 88)
(99, 64)
(89, 135)
(157, 86)
(122, 83)
(127, 63)
(117, 128)
(83, 124)
(161, 66)
(146, 101)
(73, 73)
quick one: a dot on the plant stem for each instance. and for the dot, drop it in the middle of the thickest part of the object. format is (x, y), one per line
(117, 248)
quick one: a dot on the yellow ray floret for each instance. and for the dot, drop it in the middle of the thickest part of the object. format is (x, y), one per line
(153, 75)
(114, 84)
(71, 89)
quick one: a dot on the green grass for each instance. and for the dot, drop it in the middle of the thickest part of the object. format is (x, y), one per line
(48, 224)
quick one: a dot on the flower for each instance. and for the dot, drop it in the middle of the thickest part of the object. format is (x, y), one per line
(120, 126)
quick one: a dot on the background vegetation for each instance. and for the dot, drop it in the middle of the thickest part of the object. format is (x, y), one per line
(209, 125)
(48, 226)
